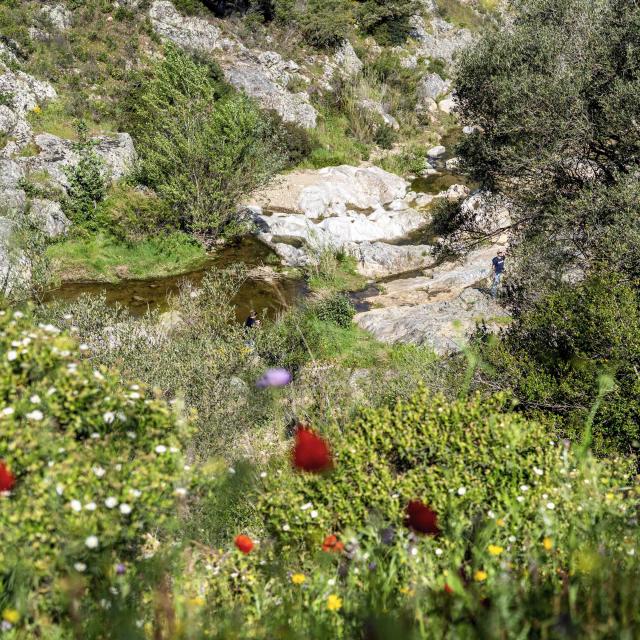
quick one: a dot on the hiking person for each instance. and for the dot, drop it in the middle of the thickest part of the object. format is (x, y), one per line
(251, 320)
(498, 270)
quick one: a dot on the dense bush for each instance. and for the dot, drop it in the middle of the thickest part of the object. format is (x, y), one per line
(461, 458)
(549, 97)
(96, 463)
(387, 20)
(199, 150)
(87, 187)
(326, 24)
(132, 214)
(336, 308)
(576, 351)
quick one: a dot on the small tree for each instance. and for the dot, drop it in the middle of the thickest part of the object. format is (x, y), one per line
(87, 183)
(202, 146)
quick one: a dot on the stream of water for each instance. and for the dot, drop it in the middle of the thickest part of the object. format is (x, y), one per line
(267, 295)
(264, 295)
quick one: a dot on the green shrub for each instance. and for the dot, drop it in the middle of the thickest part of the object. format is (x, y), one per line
(463, 458)
(385, 136)
(555, 354)
(92, 457)
(386, 20)
(326, 24)
(337, 309)
(199, 150)
(87, 188)
(131, 214)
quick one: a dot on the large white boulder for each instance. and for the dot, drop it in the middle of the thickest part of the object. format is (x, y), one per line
(335, 189)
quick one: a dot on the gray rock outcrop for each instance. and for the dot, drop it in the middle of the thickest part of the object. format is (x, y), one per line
(263, 75)
(433, 86)
(437, 309)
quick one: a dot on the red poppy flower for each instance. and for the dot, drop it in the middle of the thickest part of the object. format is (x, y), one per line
(421, 519)
(7, 479)
(448, 589)
(311, 452)
(332, 544)
(244, 543)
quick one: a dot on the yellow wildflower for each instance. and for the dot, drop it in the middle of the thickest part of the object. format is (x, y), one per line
(480, 575)
(547, 543)
(197, 601)
(405, 591)
(609, 496)
(37, 109)
(11, 616)
(500, 522)
(495, 550)
(334, 603)
(298, 578)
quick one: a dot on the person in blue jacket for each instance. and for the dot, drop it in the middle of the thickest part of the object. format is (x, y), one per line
(498, 270)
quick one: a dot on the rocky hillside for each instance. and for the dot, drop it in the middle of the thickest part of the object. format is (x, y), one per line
(75, 84)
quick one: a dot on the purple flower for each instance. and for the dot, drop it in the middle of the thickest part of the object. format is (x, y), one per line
(120, 569)
(277, 377)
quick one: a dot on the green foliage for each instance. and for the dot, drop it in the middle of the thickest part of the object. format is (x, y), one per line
(558, 355)
(385, 136)
(556, 101)
(87, 187)
(326, 24)
(386, 20)
(131, 215)
(199, 151)
(337, 309)
(104, 257)
(92, 457)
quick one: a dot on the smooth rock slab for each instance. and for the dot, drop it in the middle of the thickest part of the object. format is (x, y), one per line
(442, 325)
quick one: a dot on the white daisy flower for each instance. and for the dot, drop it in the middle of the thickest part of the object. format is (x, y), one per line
(92, 542)
(12, 355)
(131, 435)
(90, 506)
(83, 347)
(314, 514)
(524, 487)
(414, 551)
(8, 411)
(108, 417)
(111, 502)
(98, 471)
(35, 415)
(125, 509)
(161, 449)
(18, 314)
(438, 551)
(538, 471)
(59, 489)
(80, 567)
(263, 474)
(181, 492)
(76, 505)
(306, 506)
(520, 498)
(461, 491)
(551, 506)
(135, 493)
(134, 396)
(286, 527)
(97, 375)
(95, 435)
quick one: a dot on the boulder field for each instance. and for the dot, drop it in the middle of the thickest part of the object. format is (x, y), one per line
(369, 213)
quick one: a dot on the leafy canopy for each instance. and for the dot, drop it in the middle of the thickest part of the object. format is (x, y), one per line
(202, 146)
(556, 100)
